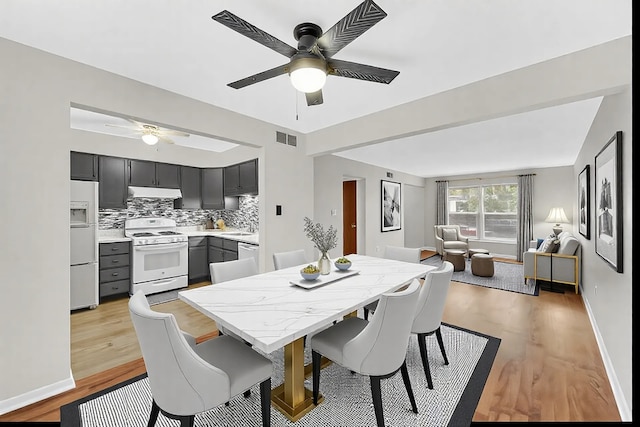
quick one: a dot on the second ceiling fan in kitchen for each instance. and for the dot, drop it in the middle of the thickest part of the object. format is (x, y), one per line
(313, 61)
(150, 134)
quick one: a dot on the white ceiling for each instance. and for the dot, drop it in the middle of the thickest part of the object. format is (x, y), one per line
(436, 45)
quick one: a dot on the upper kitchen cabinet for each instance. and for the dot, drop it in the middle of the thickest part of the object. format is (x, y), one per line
(241, 178)
(212, 188)
(191, 187)
(112, 173)
(84, 166)
(144, 173)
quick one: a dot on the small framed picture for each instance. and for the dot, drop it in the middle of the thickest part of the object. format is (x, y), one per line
(608, 202)
(584, 203)
(391, 217)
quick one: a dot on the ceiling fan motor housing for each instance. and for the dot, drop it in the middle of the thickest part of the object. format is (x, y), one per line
(306, 34)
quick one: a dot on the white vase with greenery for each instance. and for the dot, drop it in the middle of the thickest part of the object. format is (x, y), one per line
(323, 241)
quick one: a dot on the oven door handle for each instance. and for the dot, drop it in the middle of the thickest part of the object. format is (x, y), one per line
(161, 247)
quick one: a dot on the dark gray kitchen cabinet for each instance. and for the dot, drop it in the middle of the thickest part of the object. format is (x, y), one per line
(221, 250)
(143, 173)
(112, 173)
(84, 166)
(191, 187)
(212, 188)
(198, 261)
(241, 178)
(115, 268)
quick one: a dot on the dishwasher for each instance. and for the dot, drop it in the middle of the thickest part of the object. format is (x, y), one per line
(247, 250)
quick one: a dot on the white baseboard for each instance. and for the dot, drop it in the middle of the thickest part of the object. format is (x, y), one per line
(36, 395)
(623, 406)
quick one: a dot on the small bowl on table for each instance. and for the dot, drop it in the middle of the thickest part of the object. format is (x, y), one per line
(310, 276)
(344, 265)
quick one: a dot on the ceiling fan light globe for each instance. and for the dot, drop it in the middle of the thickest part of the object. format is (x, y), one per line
(150, 139)
(308, 80)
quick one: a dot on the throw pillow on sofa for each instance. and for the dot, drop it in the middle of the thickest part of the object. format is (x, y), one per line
(449, 234)
(544, 247)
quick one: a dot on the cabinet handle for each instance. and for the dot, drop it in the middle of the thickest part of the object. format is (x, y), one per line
(115, 288)
(114, 274)
(114, 249)
(115, 261)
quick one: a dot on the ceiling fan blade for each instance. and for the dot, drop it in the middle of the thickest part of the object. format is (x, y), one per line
(254, 33)
(132, 127)
(165, 139)
(356, 22)
(164, 131)
(274, 72)
(354, 70)
(314, 98)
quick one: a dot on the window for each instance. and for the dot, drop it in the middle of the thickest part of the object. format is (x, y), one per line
(488, 212)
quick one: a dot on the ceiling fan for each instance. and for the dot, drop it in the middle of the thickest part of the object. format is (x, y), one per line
(313, 60)
(150, 134)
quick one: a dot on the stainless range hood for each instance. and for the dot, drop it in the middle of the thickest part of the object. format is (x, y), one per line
(155, 193)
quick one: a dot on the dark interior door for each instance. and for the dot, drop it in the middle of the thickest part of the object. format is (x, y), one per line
(349, 229)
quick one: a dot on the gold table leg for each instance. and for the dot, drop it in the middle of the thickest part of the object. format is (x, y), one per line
(292, 398)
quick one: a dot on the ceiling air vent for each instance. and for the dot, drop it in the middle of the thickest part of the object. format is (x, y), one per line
(286, 139)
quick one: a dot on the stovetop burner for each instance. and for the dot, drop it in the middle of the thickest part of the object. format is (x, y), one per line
(168, 233)
(142, 234)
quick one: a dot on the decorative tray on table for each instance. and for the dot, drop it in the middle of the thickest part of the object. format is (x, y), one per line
(325, 279)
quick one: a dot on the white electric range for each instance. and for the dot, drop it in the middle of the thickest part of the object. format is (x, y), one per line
(160, 253)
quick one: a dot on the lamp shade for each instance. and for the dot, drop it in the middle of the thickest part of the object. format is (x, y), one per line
(150, 138)
(557, 216)
(308, 74)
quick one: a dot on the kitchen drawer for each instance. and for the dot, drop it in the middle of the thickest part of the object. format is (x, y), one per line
(112, 274)
(115, 248)
(112, 288)
(109, 261)
(197, 241)
(231, 245)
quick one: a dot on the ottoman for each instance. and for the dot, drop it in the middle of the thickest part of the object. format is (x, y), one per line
(482, 265)
(455, 257)
(471, 252)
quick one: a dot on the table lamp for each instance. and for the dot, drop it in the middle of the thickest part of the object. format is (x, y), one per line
(557, 216)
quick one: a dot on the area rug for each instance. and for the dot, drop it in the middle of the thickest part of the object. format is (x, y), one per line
(452, 401)
(507, 277)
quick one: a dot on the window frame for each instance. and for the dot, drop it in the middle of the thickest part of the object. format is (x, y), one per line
(481, 213)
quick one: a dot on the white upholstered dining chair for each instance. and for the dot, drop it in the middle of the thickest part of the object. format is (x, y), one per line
(289, 259)
(397, 253)
(377, 348)
(430, 307)
(186, 378)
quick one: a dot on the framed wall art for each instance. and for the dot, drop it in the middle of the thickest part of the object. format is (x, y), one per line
(608, 202)
(390, 206)
(584, 203)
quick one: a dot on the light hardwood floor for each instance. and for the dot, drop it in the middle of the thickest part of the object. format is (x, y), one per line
(548, 366)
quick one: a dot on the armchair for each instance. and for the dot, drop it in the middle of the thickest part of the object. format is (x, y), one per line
(449, 237)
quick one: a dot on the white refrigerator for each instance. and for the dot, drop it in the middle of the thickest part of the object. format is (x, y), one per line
(84, 244)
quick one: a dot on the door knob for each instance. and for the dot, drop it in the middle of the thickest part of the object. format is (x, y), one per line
(353, 226)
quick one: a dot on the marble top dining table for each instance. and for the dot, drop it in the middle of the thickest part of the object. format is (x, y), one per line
(269, 312)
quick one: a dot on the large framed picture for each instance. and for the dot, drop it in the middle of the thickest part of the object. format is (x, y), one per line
(608, 202)
(584, 203)
(390, 206)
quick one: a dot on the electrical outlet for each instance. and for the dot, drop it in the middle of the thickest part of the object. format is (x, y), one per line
(334, 212)
(595, 290)
(377, 248)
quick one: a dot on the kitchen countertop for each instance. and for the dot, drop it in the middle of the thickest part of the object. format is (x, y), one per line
(230, 234)
(117, 235)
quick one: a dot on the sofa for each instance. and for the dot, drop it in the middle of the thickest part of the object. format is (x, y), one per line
(449, 237)
(556, 260)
